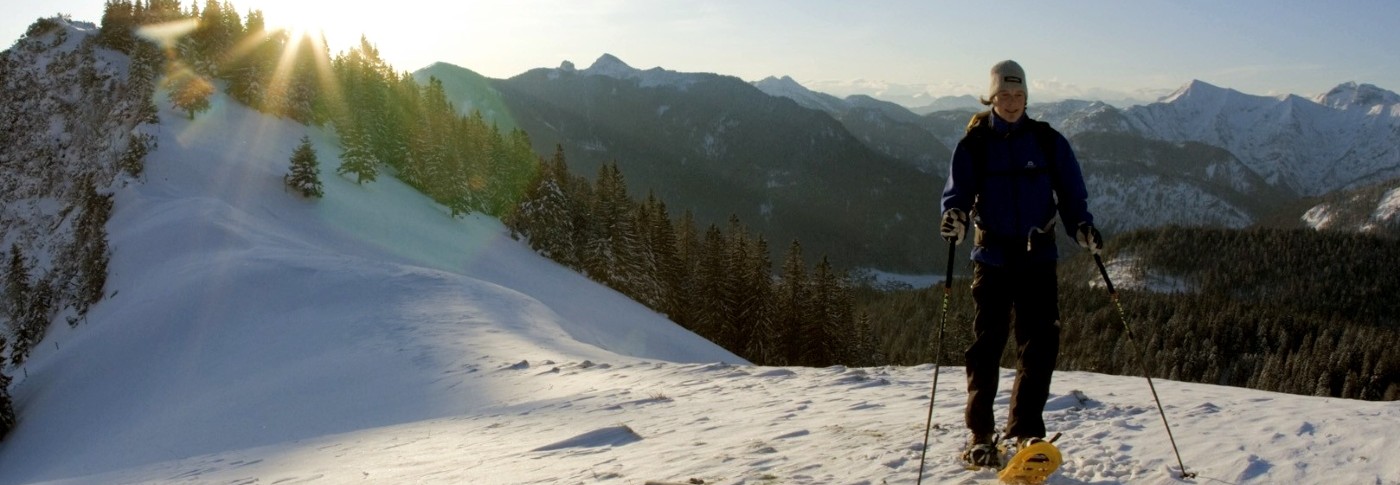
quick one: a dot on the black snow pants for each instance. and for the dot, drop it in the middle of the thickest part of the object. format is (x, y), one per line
(1030, 289)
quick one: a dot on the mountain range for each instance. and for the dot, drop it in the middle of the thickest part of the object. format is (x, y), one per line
(719, 147)
(1204, 155)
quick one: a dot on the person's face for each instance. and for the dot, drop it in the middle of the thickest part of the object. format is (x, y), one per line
(1010, 103)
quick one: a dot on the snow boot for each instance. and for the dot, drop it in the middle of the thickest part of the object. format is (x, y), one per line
(981, 451)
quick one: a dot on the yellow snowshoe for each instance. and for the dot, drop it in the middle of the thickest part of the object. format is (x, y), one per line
(1032, 464)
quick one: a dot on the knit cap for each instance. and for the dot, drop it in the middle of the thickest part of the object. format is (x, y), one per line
(1007, 75)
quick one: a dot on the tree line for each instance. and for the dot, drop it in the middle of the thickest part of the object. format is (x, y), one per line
(717, 282)
(391, 120)
(1286, 310)
(382, 118)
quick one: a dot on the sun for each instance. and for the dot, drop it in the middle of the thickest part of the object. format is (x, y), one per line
(335, 23)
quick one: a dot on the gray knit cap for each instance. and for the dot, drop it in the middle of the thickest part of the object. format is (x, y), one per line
(1006, 75)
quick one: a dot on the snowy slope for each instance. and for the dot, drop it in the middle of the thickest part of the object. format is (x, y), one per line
(252, 336)
(243, 315)
(1372, 209)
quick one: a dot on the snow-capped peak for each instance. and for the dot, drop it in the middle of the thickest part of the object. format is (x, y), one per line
(787, 87)
(785, 83)
(609, 65)
(1352, 95)
(1196, 89)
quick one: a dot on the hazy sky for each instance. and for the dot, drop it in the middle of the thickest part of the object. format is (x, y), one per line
(1100, 49)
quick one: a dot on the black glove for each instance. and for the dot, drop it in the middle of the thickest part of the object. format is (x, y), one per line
(954, 225)
(1088, 237)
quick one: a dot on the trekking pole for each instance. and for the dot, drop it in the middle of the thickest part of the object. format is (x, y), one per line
(947, 291)
(1143, 361)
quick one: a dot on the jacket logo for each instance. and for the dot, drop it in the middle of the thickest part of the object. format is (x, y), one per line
(1030, 164)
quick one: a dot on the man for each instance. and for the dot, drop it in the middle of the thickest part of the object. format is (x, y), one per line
(1012, 174)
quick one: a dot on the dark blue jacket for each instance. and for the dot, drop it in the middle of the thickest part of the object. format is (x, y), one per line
(1002, 177)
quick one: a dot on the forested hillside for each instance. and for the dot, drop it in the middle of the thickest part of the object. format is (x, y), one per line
(717, 146)
(1295, 311)
(715, 282)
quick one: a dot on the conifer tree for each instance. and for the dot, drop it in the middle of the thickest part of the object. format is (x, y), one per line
(790, 303)
(30, 331)
(663, 243)
(90, 249)
(19, 301)
(829, 325)
(190, 92)
(118, 23)
(355, 157)
(735, 300)
(761, 344)
(687, 259)
(643, 277)
(862, 350)
(296, 94)
(16, 285)
(708, 296)
(305, 174)
(7, 408)
(215, 33)
(543, 216)
(146, 61)
(615, 255)
(133, 159)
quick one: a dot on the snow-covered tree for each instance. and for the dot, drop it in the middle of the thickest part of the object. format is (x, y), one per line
(7, 409)
(355, 156)
(16, 286)
(544, 216)
(89, 252)
(305, 173)
(29, 305)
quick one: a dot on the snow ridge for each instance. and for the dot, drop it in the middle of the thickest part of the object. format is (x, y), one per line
(1294, 143)
(1351, 95)
(787, 87)
(609, 65)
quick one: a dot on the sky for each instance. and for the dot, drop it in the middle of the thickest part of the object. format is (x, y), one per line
(253, 336)
(1096, 49)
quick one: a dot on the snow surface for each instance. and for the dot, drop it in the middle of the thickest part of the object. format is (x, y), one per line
(1388, 208)
(1127, 274)
(252, 336)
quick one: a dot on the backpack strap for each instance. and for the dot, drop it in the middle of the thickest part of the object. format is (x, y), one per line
(979, 132)
(979, 135)
(1045, 137)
